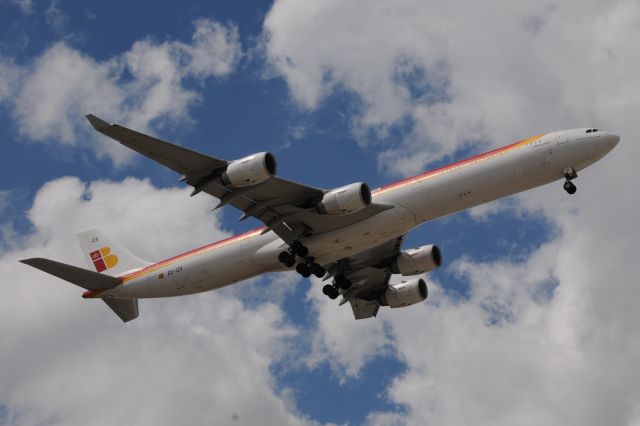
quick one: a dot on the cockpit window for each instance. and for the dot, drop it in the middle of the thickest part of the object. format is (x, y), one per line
(591, 130)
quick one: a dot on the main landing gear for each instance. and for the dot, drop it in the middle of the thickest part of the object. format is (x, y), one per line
(305, 268)
(570, 174)
(308, 266)
(339, 282)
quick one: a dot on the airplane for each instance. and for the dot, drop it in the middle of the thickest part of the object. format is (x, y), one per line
(351, 237)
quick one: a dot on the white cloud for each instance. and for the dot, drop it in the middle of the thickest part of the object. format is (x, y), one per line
(55, 17)
(5, 198)
(142, 87)
(9, 73)
(196, 359)
(26, 6)
(347, 345)
(511, 355)
(551, 339)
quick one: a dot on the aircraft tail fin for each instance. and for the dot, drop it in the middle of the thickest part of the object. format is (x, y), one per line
(106, 256)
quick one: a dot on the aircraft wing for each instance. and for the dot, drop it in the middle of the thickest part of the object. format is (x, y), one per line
(286, 207)
(177, 158)
(369, 273)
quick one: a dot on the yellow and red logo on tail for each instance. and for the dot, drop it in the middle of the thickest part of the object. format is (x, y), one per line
(103, 259)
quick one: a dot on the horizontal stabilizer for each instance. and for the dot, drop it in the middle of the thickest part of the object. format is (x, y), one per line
(81, 277)
(126, 309)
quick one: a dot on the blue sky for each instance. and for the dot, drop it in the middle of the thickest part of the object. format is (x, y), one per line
(339, 92)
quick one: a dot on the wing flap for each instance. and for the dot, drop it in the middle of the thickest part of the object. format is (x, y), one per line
(126, 309)
(364, 308)
(81, 277)
(321, 223)
(369, 274)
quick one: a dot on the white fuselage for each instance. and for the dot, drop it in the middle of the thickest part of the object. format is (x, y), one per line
(526, 164)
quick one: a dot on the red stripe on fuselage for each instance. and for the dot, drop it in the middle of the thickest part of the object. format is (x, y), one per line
(456, 164)
(165, 262)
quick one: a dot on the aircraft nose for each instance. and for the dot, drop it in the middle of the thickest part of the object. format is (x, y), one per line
(608, 142)
(612, 140)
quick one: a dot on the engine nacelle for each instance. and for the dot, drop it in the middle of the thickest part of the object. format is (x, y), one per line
(417, 261)
(250, 170)
(405, 293)
(347, 199)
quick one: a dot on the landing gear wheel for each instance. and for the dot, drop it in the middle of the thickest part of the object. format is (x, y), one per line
(299, 249)
(342, 282)
(330, 291)
(303, 270)
(287, 259)
(570, 187)
(317, 270)
(334, 294)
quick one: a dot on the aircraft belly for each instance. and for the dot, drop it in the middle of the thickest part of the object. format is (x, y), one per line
(361, 236)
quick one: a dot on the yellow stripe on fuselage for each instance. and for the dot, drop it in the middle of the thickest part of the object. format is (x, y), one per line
(222, 243)
(460, 164)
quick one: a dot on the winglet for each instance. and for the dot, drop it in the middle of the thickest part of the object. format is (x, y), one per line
(96, 122)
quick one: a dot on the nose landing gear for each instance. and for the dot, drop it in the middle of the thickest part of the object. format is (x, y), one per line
(570, 174)
(570, 187)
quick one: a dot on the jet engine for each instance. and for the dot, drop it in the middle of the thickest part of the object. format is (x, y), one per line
(347, 199)
(250, 170)
(405, 293)
(417, 261)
